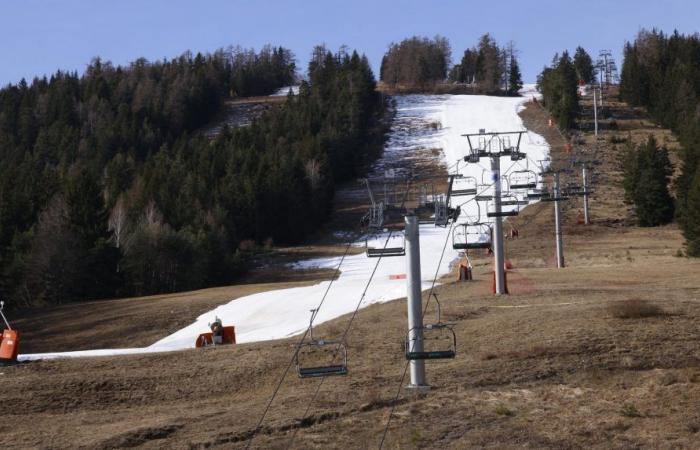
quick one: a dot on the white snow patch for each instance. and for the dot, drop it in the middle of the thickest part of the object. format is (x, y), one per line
(283, 91)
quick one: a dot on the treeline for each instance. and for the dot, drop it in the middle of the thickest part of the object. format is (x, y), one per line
(490, 68)
(108, 188)
(647, 172)
(662, 73)
(559, 82)
(416, 62)
(421, 64)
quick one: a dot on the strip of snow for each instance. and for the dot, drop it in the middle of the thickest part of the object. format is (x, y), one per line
(283, 313)
(283, 91)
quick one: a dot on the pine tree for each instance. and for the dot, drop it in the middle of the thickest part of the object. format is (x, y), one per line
(515, 81)
(653, 203)
(584, 65)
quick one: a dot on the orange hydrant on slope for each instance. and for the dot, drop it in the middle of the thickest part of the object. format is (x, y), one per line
(465, 271)
(9, 347)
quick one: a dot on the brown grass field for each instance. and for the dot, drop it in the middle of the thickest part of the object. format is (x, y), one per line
(604, 353)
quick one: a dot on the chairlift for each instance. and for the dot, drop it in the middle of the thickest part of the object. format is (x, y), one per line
(442, 215)
(522, 179)
(426, 195)
(464, 186)
(438, 340)
(510, 200)
(374, 219)
(513, 199)
(396, 246)
(472, 237)
(311, 353)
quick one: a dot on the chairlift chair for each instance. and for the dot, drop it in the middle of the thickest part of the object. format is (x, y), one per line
(510, 200)
(522, 179)
(464, 186)
(389, 248)
(472, 237)
(307, 358)
(441, 211)
(438, 340)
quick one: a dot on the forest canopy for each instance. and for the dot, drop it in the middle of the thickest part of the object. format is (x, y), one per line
(109, 187)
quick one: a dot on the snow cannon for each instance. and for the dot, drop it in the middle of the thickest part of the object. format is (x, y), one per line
(9, 347)
(219, 335)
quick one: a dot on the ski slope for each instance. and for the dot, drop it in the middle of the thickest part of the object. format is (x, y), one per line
(284, 313)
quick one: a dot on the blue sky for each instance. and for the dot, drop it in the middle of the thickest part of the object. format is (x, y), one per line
(38, 37)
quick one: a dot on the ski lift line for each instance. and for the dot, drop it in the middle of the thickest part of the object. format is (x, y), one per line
(306, 332)
(299, 344)
(406, 365)
(343, 340)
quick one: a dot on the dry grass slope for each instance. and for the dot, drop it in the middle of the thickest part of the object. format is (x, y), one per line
(547, 367)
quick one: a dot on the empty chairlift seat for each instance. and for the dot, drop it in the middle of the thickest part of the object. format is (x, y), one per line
(509, 206)
(464, 186)
(433, 341)
(320, 358)
(471, 237)
(394, 244)
(522, 179)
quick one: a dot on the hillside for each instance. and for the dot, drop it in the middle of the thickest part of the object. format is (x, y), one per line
(562, 362)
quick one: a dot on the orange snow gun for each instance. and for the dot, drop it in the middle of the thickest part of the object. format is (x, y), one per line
(207, 339)
(9, 347)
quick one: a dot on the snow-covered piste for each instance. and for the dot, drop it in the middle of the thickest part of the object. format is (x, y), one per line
(286, 312)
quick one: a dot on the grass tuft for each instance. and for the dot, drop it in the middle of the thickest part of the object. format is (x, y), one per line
(629, 410)
(503, 410)
(634, 309)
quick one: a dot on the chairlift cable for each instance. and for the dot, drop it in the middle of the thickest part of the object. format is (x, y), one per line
(406, 365)
(343, 340)
(299, 344)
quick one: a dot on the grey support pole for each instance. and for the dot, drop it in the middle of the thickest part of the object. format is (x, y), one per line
(498, 257)
(586, 217)
(557, 222)
(595, 111)
(415, 308)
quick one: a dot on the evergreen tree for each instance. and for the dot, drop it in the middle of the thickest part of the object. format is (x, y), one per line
(653, 203)
(584, 66)
(515, 81)
(488, 64)
(560, 90)
(662, 72)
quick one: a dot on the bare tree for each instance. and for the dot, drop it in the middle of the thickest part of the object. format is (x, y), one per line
(313, 173)
(117, 222)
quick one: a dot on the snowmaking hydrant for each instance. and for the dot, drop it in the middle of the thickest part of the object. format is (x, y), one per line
(9, 347)
(219, 335)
